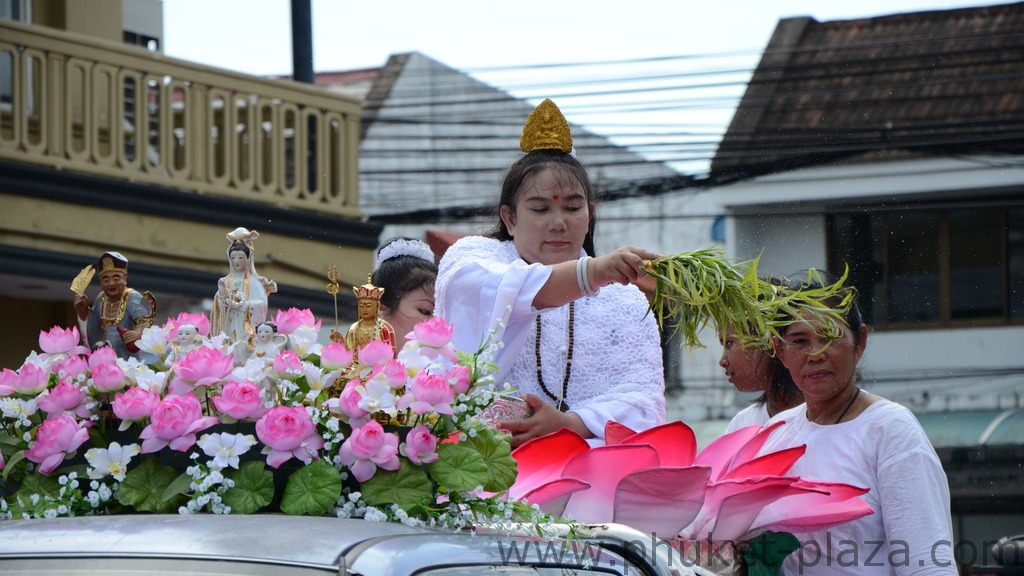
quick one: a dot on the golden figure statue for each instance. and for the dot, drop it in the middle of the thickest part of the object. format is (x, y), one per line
(370, 325)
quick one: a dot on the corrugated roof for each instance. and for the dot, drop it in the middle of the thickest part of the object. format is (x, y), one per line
(947, 82)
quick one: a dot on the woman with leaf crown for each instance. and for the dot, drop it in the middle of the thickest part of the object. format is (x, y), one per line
(573, 330)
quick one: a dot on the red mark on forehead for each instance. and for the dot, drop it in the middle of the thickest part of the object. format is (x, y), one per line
(555, 196)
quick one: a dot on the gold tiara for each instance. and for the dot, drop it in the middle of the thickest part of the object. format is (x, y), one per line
(546, 129)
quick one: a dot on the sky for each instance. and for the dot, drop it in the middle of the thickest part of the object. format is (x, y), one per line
(708, 47)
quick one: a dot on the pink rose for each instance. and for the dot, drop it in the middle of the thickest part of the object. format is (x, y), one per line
(289, 320)
(376, 352)
(201, 367)
(420, 446)
(335, 355)
(55, 439)
(458, 378)
(65, 397)
(288, 431)
(200, 321)
(429, 393)
(174, 422)
(240, 400)
(60, 341)
(133, 405)
(287, 363)
(367, 448)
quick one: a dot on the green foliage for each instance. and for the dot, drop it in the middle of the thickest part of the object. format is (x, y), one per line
(408, 487)
(458, 468)
(145, 488)
(494, 448)
(253, 490)
(764, 555)
(313, 489)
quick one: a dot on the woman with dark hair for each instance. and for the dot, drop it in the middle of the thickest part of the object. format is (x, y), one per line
(860, 438)
(406, 271)
(573, 333)
(753, 369)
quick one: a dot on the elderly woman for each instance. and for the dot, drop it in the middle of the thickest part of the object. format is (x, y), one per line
(576, 339)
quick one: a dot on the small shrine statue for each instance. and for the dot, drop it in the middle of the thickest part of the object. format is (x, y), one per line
(188, 339)
(241, 300)
(370, 325)
(267, 342)
(118, 317)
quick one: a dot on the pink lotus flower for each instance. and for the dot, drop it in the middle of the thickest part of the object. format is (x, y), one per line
(428, 393)
(55, 439)
(31, 380)
(368, 448)
(655, 482)
(61, 341)
(200, 321)
(335, 355)
(10, 382)
(393, 373)
(65, 397)
(201, 367)
(434, 337)
(458, 378)
(420, 446)
(376, 353)
(174, 422)
(287, 363)
(71, 367)
(133, 405)
(107, 376)
(289, 320)
(240, 401)
(348, 404)
(287, 432)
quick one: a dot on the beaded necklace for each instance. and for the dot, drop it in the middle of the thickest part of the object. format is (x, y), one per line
(107, 320)
(561, 405)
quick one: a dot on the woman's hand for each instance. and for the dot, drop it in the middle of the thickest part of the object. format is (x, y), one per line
(544, 420)
(623, 266)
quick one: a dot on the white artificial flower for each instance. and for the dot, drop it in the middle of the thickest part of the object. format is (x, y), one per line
(316, 379)
(17, 409)
(112, 461)
(225, 448)
(377, 396)
(154, 340)
(303, 341)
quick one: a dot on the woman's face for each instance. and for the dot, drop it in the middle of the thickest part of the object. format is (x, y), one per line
(820, 367)
(238, 260)
(415, 307)
(747, 368)
(550, 218)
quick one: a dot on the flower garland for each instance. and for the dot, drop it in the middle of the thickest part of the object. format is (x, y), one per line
(306, 431)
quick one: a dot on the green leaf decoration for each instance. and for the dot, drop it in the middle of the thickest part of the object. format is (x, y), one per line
(459, 468)
(37, 484)
(407, 487)
(180, 485)
(12, 462)
(765, 554)
(493, 446)
(253, 490)
(313, 489)
(144, 487)
(703, 288)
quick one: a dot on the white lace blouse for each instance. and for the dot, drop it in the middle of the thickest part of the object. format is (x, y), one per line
(483, 286)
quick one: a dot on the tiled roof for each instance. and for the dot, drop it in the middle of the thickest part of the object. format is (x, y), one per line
(939, 82)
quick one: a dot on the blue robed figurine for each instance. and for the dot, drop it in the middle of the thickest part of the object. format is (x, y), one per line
(118, 317)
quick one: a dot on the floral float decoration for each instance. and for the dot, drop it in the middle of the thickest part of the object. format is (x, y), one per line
(394, 439)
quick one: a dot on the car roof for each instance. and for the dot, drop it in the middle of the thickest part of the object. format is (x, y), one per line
(360, 546)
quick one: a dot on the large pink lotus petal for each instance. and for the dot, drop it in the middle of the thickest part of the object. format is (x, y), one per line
(774, 464)
(731, 506)
(720, 452)
(615, 433)
(675, 442)
(542, 460)
(661, 500)
(553, 496)
(604, 467)
(750, 449)
(814, 510)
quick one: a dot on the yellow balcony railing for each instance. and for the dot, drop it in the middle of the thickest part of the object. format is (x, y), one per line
(76, 103)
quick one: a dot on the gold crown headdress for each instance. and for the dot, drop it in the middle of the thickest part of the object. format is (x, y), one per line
(368, 291)
(546, 129)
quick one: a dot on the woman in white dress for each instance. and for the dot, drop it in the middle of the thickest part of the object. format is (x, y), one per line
(576, 339)
(241, 300)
